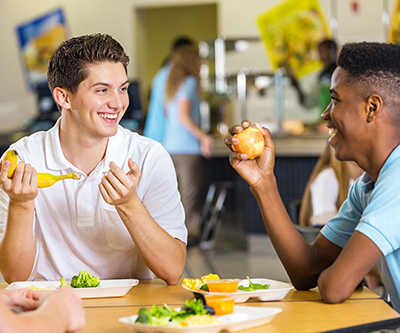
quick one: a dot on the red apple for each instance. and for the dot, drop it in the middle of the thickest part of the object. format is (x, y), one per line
(251, 142)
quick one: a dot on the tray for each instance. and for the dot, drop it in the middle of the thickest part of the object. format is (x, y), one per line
(276, 291)
(106, 288)
(243, 317)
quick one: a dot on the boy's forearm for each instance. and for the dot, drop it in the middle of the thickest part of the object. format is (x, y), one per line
(294, 252)
(164, 255)
(17, 247)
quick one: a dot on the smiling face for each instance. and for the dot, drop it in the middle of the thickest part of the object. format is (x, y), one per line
(347, 118)
(99, 104)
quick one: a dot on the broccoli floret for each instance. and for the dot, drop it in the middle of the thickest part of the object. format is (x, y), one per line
(93, 281)
(74, 282)
(144, 316)
(63, 283)
(84, 280)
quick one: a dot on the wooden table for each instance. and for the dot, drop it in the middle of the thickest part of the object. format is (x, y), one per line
(303, 311)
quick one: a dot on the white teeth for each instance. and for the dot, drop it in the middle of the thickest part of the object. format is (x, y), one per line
(332, 131)
(108, 115)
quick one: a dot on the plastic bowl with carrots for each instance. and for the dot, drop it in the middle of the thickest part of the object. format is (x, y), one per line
(222, 305)
(223, 285)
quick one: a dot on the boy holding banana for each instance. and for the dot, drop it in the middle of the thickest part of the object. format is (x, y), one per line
(123, 218)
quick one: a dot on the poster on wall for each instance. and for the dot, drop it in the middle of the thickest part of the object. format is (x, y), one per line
(291, 32)
(37, 41)
(394, 27)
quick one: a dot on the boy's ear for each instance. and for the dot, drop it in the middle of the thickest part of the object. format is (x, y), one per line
(61, 97)
(373, 107)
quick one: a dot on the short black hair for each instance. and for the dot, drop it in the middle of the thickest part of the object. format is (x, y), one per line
(180, 41)
(330, 43)
(370, 58)
(374, 68)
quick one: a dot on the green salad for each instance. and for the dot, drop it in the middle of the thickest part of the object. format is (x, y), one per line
(159, 316)
(253, 286)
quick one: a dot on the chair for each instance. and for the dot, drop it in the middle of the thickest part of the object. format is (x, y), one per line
(213, 210)
(309, 233)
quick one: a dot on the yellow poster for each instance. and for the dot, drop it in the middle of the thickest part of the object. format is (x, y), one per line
(394, 27)
(291, 33)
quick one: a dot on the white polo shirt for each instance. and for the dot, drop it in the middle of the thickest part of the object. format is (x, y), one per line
(74, 228)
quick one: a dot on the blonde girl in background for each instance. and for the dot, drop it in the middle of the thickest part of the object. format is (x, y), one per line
(186, 142)
(327, 188)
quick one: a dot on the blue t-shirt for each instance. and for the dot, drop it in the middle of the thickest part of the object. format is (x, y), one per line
(177, 139)
(374, 210)
(155, 120)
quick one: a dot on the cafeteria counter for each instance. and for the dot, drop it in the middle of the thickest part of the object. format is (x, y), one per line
(296, 157)
(286, 145)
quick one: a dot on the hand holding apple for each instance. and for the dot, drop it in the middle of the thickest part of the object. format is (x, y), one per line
(251, 142)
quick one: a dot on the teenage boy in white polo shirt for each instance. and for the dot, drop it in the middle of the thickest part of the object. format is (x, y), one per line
(124, 217)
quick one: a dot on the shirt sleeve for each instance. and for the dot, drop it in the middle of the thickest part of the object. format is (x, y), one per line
(381, 216)
(159, 190)
(340, 228)
(371, 209)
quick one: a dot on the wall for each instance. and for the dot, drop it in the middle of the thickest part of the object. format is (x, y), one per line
(153, 44)
(235, 18)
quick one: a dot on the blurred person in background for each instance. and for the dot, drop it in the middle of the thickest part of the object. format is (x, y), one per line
(319, 93)
(327, 188)
(155, 120)
(28, 310)
(183, 138)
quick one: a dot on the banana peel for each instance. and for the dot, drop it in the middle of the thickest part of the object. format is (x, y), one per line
(43, 179)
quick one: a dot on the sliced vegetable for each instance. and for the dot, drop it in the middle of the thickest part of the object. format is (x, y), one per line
(253, 286)
(204, 287)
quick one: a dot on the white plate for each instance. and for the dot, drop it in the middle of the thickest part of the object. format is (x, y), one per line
(106, 288)
(243, 317)
(276, 291)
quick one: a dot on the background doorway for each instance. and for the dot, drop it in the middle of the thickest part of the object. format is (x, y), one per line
(157, 27)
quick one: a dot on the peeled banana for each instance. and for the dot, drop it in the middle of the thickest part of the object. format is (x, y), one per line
(47, 179)
(43, 179)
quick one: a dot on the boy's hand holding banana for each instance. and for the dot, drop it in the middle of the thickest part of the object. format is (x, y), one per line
(43, 179)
